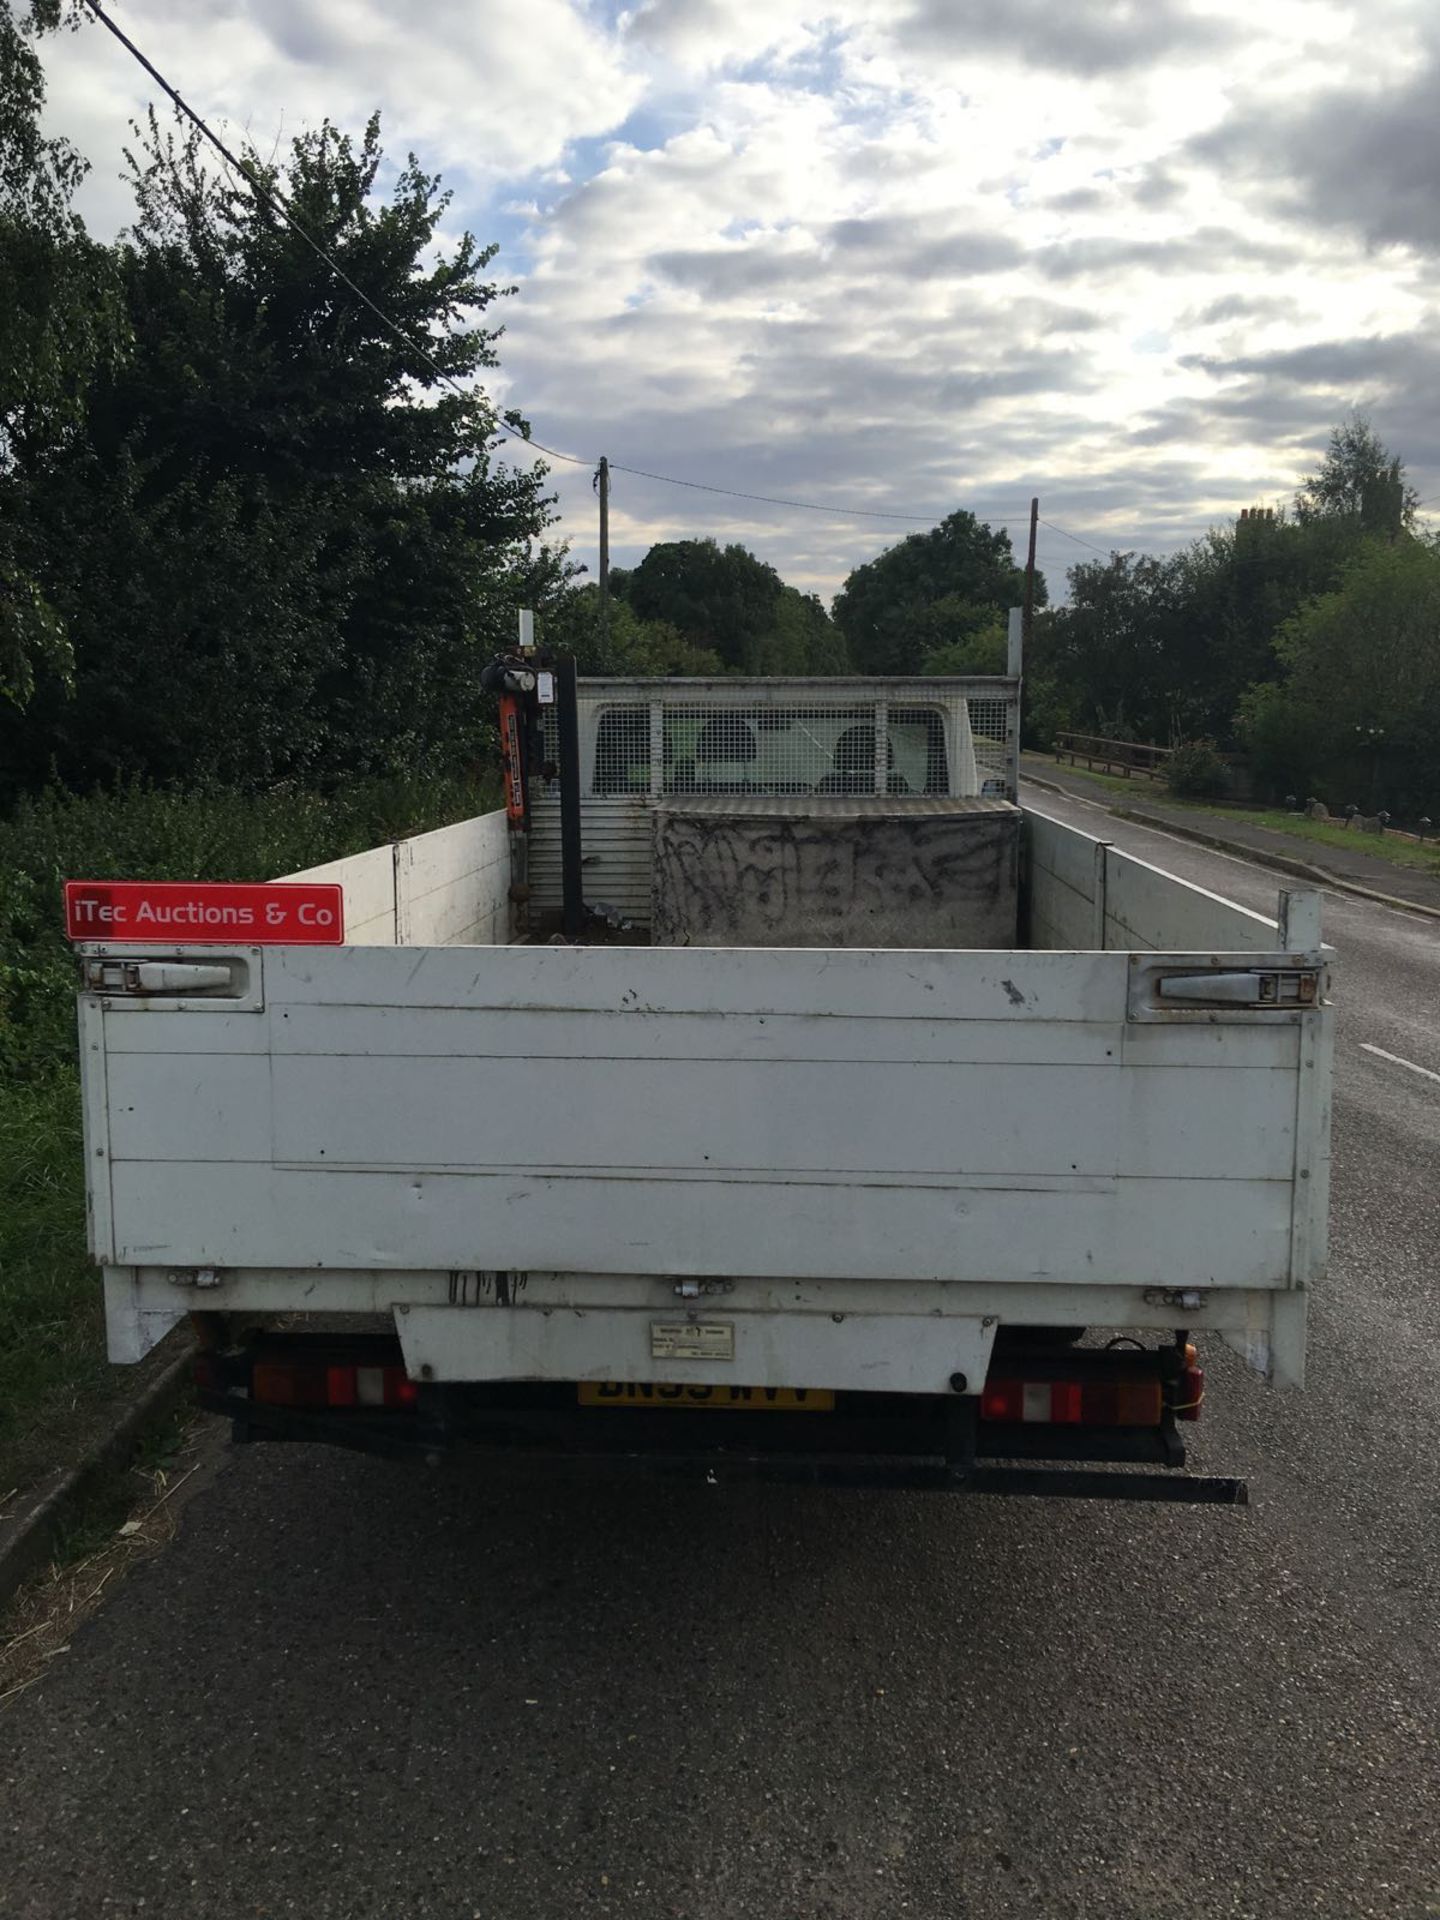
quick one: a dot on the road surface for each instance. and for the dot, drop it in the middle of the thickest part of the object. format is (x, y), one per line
(352, 1689)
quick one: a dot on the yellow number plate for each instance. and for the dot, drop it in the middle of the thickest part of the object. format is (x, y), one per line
(627, 1393)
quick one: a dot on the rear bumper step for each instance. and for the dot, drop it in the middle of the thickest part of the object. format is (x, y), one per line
(916, 1473)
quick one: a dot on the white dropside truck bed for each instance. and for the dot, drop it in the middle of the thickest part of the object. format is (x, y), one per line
(779, 1168)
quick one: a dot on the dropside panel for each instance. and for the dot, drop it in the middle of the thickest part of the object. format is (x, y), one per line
(434, 889)
(1084, 892)
(368, 882)
(453, 886)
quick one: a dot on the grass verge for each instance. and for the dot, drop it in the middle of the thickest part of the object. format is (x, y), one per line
(1394, 849)
(53, 1374)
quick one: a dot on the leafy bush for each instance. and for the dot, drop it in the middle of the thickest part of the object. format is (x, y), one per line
(981, 650)
(1280, 741)
(1195, 770)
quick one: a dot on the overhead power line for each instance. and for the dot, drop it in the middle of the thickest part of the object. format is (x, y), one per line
(271, 197)
(1075, 537)
(919, 517)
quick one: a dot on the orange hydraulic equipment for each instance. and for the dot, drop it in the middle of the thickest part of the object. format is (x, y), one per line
(526, 682)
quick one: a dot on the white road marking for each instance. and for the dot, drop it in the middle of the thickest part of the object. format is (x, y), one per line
(1397, 1061)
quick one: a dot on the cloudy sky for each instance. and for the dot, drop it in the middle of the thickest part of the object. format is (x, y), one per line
(1135, 256)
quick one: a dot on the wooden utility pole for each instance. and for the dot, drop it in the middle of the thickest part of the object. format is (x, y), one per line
(1028, 614)
(602, 487)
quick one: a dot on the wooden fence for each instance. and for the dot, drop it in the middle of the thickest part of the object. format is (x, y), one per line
(1126, 757)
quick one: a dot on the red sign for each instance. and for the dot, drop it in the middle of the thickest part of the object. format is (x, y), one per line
(282, 913)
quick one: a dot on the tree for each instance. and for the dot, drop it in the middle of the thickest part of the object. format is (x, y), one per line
(1106, 657)
(1361, 481)
(801, 638)
(59, 316)
(727, 602)
(282, 542)
(981, 651)
(623, 644)
(960, 565)
(1162, 647)
(1233, 590)
(721, 599)
(959, 637)
(1169, 648)
(1356, 716)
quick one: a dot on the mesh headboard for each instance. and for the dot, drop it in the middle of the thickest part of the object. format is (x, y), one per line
(643, 739)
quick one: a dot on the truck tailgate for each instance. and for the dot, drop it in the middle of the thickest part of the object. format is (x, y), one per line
(997, 1117)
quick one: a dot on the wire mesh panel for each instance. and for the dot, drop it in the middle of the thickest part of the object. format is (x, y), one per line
(765, 750)
(994, 734)
(619, 741)
(880, 737)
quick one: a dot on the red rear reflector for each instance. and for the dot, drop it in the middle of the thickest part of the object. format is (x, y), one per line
(1001, 1400)
(1066, 1401)
(340, 1388)
(278, 1384)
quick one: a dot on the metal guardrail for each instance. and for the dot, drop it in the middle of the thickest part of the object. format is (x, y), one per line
(1112, 756)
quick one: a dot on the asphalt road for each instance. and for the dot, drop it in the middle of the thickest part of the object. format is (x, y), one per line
(353, 1689)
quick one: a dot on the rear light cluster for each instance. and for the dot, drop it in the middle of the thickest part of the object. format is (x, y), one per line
(1075, 1403)
(309, 1383)
(1123, 1400)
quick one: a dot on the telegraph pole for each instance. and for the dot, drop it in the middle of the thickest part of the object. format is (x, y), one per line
(602, 487)
(1029, 607)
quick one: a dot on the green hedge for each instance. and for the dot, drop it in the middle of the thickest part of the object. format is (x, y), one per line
(53, 1372)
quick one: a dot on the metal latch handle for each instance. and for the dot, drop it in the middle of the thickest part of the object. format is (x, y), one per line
(1290, 987)
(170, 977)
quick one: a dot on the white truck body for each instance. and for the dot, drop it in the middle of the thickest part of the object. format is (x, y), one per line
(779, 1168)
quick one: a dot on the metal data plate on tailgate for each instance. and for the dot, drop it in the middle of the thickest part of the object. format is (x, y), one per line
(692, 1340)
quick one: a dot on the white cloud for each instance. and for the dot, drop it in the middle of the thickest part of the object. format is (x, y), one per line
(699, 36)
(904, 253)
(491, 90)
